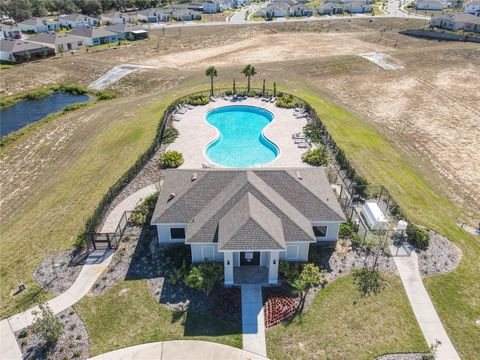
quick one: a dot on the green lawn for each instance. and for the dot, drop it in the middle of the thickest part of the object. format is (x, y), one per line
(456, 296)
(110, 326)
(340, 324)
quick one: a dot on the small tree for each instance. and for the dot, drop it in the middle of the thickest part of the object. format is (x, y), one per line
(418, 237)
(309, 277)
(234, 87)
(144, 209)
(316, 157)
(249, 71)
(203, 277)
(47, 326)
(171, 159)
(211, 72)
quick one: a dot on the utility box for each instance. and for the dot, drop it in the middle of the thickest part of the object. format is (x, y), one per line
(374, 216)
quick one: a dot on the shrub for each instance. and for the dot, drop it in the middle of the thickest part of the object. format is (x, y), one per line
(198, 100)
(72, 89)
(6, 103)
(171, 159)
(204, 276)
(290, 271)
(73, 107)
(105, 95)
(332, 175)
(144, 209)
(417, 237)
(346, 230)
(316, 157)
(23, 334)
(170, 135)
(312, 132)
(47, 327)
(362, 185)
(311, 276)
(37, 94)
(285, 101)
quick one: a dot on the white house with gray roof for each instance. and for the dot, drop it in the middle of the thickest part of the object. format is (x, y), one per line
(429, 5)
(94, 36)
(247, 219)
(39, 25)
(59, 41)
(74, 21)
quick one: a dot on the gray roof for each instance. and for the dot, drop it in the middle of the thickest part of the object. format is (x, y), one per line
(54, 38)
(460, 18)
(125, 27)
(91, 32)
(206, 203)
(36, 21)
(6, 27)
(76, 17)
(17, 45)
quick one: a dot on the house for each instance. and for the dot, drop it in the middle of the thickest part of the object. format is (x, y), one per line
(473, 8)
(333, 2)
(429, 5)
(247, 219)
(211, 7)
(274, 10)
(287, 2)
(186, 15)
(95, 35)
(114, 18)
(74, 21)
(329, 9)
(38, 25)
(59, 42)
(10, 32)
(357, 7)
(300, 10)
(19, 51)
(458, 21)
(128, 31)
(153, 16)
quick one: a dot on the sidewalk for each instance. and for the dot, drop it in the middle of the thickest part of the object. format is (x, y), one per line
(253, 321)
(427, 317)
(179, 350)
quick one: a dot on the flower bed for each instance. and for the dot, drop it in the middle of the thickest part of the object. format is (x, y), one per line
(279, 308)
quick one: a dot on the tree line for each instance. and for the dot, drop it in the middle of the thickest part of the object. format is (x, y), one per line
(20, 10)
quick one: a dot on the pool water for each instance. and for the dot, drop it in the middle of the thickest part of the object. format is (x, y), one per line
(29, 111)
(241, 142)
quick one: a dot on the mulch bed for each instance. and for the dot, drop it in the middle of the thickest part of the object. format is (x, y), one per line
(279, 305)
(73, 344)
(59, 271)
(401, 356)
(442, 256)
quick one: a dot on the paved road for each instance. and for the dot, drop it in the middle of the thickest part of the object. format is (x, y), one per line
(427, 317)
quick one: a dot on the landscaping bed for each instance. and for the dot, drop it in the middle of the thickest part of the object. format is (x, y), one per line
(405, 356)
(442, 256)
(59, 271)
(72, 344)
(279, 305)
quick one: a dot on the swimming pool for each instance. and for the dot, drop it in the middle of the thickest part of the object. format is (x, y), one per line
(240, 142)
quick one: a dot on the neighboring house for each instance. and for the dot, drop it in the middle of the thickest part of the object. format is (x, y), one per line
(211, 7)
(472, 8)
(459, 21)
(358, 7)
(60, 42)
(287, 2)
(247, 219)
(329, 9)
(95, 35)
(299, 10)
(128, 31)
(114, 18)
(429, 5)
(39, 25)
(19, 51)
(334, 1)
(10, 32)
(186, 15)
(274, 10)
(74, 21)
(153, 16)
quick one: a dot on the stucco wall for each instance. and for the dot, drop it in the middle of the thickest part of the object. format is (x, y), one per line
(202, 252)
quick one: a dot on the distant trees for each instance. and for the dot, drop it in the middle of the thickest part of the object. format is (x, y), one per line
(17, 9)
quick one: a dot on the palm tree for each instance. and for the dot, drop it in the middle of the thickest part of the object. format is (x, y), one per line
(249, 71)
(211, 72)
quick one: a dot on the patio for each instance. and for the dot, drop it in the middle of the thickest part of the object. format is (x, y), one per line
(195, 133)
(250, 275)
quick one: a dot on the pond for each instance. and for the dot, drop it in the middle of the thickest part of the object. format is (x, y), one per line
(29, 111)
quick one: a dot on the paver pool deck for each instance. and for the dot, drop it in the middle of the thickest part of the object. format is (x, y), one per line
(195, 134)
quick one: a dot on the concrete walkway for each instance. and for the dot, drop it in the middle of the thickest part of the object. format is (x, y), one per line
(94, 265)
(179, 350)
(127, 204)
(427, 317)
(253, 320)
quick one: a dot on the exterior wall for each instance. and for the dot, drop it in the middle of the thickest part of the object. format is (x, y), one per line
(228, 267)
(273, 259)
(5, 56)
(429, 6)
(163, 232)
(208, 251)
(295, 252)
(332, 230)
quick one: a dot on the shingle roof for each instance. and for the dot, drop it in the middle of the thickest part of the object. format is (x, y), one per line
(203, 204)
(16, 45)
(76, 17)
(91, 32)
(125, 27)
(460, 18)
(55, 38)
(36, 21)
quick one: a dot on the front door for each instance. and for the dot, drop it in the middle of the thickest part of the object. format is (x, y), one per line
(249, 258)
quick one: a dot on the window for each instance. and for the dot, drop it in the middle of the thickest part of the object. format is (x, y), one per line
(80, 43)
(177, 233)
(320, 231)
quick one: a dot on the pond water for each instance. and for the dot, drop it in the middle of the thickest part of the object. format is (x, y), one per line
(29, 111)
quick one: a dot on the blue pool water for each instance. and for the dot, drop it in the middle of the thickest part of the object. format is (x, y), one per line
(29, 111)
(241, 142)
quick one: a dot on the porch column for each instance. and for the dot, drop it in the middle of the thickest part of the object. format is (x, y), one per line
(273, 267)
(228, 267)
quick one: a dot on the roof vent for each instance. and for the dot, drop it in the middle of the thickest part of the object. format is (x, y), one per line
(194, 176)
(299, 175)
(171, 196)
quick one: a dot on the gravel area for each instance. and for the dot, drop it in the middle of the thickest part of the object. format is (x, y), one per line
(73, 344)
(442, 256)
(59, 271)
(404, 356)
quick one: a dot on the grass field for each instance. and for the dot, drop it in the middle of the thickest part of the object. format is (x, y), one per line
(340, 324)
(110, 327)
